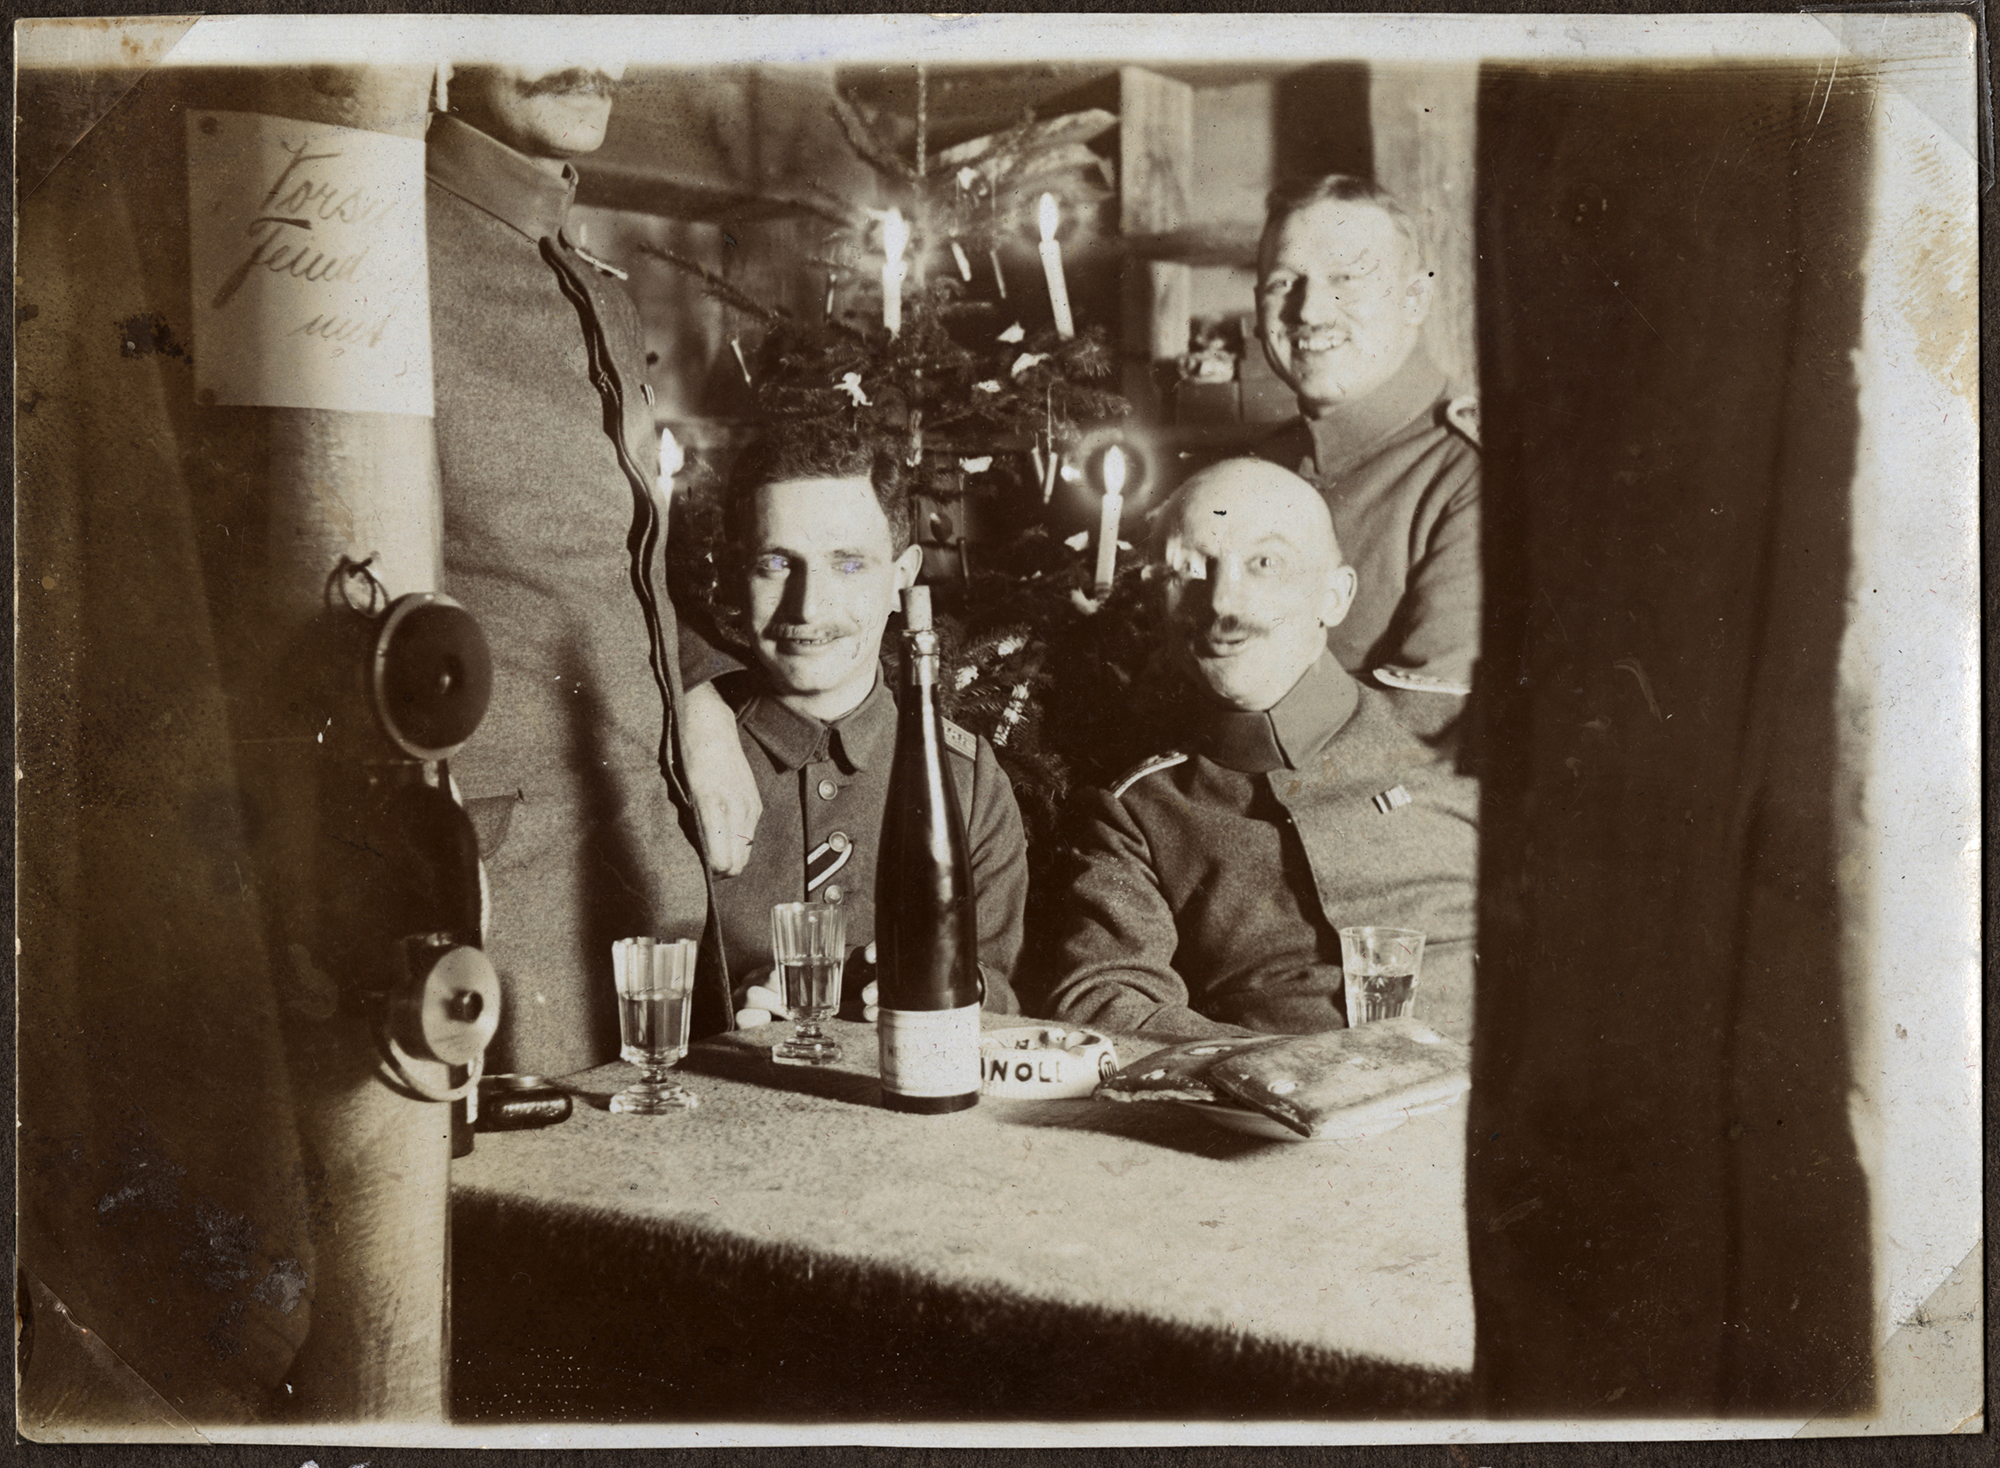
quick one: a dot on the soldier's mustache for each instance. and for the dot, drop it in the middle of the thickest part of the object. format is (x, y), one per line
(808, 632)
(574, 81)
(1231, 626)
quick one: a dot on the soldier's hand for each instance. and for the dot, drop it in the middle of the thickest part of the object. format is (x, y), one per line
(871, 991)
(726, 803)
(761, 1004)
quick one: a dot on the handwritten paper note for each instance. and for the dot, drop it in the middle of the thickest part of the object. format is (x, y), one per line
(310, 279)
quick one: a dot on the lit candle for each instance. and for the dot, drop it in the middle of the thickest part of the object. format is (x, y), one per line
(895, 238)
(671, 462)
(993, 244)
(1107, 524)
(1052, 267)
(832, 279)
(964, 265)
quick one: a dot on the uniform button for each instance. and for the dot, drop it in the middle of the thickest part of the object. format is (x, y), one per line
(827, 790)
(837, 842)
(832, 893)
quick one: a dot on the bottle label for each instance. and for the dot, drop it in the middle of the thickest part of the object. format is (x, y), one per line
(930, 1052)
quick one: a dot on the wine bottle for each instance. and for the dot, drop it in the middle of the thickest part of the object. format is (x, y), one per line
(926, 917)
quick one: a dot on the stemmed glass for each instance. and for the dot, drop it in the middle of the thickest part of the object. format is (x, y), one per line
(808, 949)
(655, 1000)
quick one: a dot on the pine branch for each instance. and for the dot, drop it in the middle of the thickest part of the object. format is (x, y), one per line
(831, 207)
(722, 289)
(862, 141)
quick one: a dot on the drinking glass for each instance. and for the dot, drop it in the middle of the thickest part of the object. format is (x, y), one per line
(1379, 971)
(808, 947)
(655, 999)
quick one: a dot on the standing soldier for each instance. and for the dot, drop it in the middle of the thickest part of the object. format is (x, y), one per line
(606, 761)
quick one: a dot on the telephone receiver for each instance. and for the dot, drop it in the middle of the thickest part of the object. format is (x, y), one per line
(403, 898)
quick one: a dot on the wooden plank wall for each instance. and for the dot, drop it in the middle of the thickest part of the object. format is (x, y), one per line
(1424, 126)
(1156, 153)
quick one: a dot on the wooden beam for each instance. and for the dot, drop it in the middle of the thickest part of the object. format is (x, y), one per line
(1423, 122)
(1155, 177)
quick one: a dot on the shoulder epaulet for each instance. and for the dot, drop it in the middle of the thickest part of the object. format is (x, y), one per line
(1410, 682)
(1463, 414)
(960, 741)
(603, 267)
(1163, 761)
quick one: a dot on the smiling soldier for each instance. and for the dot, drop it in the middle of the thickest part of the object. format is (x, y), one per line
(819, 545)
(1210, 885)
(1343, 291)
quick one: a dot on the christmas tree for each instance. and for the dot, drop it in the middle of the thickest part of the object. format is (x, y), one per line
(919, 348)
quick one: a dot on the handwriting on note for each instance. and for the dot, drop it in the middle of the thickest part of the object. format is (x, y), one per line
(309, 272)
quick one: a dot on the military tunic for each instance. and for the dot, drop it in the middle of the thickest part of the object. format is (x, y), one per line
(551, 527)
(1399, 469)
(825, 789)
(1209, 888)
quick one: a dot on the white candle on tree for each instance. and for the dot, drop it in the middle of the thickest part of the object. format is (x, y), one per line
(672, 460)
(1113, 470)
(1052, 267)
(895, 239)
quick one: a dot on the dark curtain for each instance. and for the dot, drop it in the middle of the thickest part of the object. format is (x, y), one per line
(1666, 1209)
(164, 1200)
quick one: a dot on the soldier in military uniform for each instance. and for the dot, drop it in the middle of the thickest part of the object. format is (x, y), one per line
(1342, 294)
(1210, 883)
(819, 539)
(607, 765)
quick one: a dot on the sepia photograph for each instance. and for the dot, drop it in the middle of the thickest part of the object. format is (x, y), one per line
(998, 730)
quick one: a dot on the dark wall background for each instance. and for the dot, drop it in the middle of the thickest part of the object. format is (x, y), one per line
(1666, 1209)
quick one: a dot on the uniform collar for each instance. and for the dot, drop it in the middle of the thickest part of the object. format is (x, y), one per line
(1289, 733)
(863, 736)
(490, 175)
(1343, 435)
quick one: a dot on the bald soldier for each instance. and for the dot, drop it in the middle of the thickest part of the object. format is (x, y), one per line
(1211, 882)
(1343, 290)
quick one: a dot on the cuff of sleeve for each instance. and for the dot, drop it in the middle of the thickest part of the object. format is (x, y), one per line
(701, 661)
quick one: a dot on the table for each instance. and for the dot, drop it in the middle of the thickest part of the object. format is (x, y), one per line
(792, 1250)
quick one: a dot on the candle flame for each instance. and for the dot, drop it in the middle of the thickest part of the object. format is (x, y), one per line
(895, 235)
(672, 460)
(1114, 470)
(1049, 216)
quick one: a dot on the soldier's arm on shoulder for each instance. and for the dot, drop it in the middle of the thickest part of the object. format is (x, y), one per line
(1116, 935)
(999, 855)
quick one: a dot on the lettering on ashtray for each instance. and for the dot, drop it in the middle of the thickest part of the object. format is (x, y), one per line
(1005, 1067)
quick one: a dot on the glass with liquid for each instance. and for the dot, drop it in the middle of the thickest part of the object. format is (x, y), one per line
(1379, 968)
(808, 950)
(655, 1001)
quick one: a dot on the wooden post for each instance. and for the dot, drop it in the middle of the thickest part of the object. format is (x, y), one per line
(177, 999)
(351, 485)
(1155, 183)
(331, 485)
(1424, 127)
